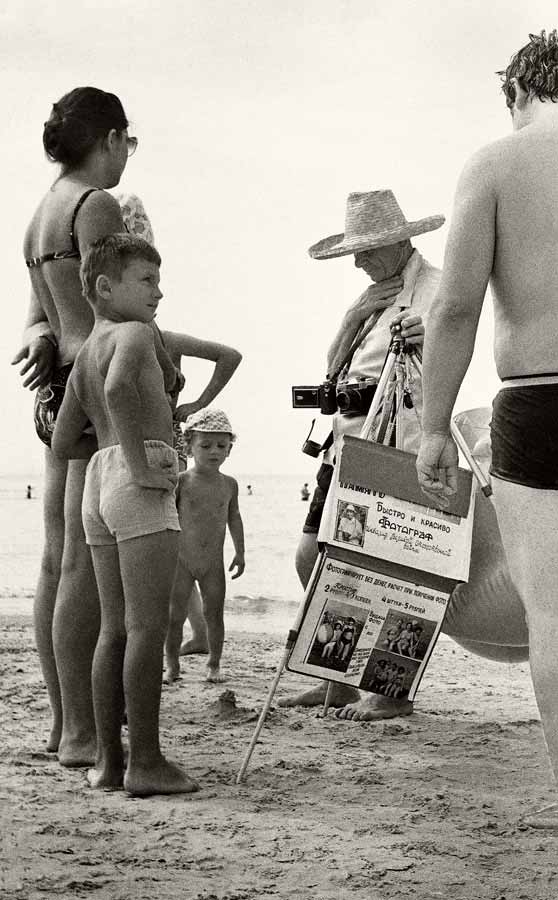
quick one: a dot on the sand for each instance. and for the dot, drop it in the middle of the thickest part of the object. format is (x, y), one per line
(423, 807)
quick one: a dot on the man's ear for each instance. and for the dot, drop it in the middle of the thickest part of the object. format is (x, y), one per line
(521, 95)
(103, 287)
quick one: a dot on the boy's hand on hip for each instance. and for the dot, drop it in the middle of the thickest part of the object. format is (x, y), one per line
(238, 564)
(158, 480)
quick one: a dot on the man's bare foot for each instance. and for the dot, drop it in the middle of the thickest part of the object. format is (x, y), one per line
(75, 753)
(194, 645)
(214, 675)
(53, 741)
(341, 694)
(374, 707)
(172, 672)
(163, 778)
(545, 818)
(106, 777)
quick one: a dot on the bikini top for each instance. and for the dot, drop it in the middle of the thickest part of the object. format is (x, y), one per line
(74, 253)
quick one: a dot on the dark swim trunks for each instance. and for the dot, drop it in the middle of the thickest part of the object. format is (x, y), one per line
(524, 434)
(314, 517)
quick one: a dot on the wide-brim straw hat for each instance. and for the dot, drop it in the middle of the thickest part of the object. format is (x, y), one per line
(373, 219)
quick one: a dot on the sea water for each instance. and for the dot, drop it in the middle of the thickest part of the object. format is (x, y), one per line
(265, 598)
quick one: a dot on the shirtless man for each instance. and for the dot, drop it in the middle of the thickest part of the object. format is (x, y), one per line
(505, 231)
(207, 502)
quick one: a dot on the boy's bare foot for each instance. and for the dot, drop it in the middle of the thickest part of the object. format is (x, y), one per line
(374, 707)
(194, 645)
(163, 778)
(172, 672)
(106, 778)
(214, 675)
(75, 753)
(53, 741)
(341, 695)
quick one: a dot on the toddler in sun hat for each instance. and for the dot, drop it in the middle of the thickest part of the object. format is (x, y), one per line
(207, 504)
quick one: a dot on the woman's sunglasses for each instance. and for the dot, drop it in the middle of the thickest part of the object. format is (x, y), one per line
(132, 145)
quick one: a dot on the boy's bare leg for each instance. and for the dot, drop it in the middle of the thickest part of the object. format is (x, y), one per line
(147, 569)
(108, 661)
(179, 608)
(531, 548)
(306, 555)
(47, 586)
(75, 629)
(198, 642)
(213, 587)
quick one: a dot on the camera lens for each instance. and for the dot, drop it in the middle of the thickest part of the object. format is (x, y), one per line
(345, 399)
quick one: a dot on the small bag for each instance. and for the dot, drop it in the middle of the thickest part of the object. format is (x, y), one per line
(48, 401)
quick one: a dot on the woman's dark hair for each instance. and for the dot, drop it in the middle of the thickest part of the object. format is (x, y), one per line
(78, 121)
(536, 68)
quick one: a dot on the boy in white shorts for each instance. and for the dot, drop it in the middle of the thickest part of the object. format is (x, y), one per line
(129, 510)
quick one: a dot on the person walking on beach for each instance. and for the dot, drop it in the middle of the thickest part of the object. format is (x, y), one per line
(87, 135)
(505, 231)
(129, 509)
(207, 503)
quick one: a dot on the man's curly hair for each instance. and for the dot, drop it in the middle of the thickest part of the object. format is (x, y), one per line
(535, 67)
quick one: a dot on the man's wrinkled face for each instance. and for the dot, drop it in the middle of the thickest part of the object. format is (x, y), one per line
(380, 263)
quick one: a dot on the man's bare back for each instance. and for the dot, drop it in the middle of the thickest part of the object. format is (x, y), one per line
(524, 282)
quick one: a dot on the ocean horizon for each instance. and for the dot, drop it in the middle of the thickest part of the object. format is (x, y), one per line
(265, 598)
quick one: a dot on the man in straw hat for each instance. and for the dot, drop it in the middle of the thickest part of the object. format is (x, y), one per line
(505, 230)
(403, 286)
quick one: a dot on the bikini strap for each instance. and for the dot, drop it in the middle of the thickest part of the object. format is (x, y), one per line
(79, 204)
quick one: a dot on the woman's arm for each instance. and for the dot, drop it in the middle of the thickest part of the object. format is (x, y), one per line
(226, 361)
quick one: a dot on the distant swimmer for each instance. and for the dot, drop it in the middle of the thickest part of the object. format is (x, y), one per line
(304, 492)
(249, 490)
(29, 492)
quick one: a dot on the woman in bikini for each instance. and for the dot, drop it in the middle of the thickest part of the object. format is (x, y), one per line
(87, 135)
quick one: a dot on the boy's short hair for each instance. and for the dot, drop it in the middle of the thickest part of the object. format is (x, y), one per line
(110, 255)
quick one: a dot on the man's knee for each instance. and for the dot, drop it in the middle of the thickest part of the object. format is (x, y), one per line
(306, 555)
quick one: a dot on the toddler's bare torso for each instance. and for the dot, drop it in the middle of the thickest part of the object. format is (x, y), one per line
(203, 510)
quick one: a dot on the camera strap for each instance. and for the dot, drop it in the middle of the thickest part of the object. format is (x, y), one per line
(359, 337)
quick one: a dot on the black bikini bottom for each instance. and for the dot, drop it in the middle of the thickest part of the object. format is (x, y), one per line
(524, 434)
(48, 401)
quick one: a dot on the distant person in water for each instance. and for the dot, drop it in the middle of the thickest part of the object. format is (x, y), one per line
(29, 492)
(305, 492)
(207, 502)
(249, 490)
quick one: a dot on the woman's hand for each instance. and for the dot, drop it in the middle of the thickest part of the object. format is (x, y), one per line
(186, 409)
(41, 358)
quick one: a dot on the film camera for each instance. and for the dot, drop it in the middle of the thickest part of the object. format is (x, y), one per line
(354, 397)
(320, 396)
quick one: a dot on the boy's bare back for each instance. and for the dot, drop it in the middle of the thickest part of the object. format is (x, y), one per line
(118, 362)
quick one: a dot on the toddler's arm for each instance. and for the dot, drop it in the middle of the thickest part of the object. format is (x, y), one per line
(68, 439)
(226, 361)
(236, 529)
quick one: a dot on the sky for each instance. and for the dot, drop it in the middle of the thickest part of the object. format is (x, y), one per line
(255, 121)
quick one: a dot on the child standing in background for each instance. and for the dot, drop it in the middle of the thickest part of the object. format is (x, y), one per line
(207, 502)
